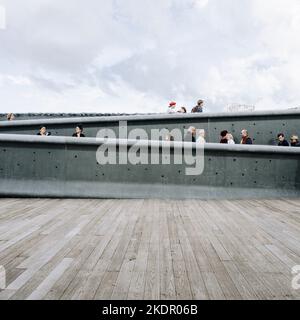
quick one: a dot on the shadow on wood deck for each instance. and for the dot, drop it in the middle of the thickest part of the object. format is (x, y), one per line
(149, 249)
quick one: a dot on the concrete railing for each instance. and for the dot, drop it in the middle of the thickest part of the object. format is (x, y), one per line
(32, 166)
(263, 126)
(32, 116)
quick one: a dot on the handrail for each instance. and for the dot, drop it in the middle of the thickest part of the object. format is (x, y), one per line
(17, 138)
(153, 117)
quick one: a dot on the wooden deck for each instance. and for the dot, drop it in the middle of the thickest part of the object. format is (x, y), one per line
(149, 249)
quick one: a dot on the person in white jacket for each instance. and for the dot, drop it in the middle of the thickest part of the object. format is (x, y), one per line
(172, 106)
(229, 138)
(201, 136)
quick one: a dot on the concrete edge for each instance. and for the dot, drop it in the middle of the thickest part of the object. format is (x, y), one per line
(153, 117)
(27, 139)
(78, 189)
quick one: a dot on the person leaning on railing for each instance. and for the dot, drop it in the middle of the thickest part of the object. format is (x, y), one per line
(190, 135)
(229, 138)
(245, 137)
(199, 107)
(10, 117)
(78, 132)
(172, 107)
(182, 110)
(295, 141)
(43, 132)
(201, 137)
(282, 141)
(223, 136)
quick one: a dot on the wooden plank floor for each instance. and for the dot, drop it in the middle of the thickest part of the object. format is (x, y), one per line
(149, 249)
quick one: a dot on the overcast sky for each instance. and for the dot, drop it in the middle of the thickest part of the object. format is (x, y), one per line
(137, 55)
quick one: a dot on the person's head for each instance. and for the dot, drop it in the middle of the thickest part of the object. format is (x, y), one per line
(43, 130)
(200, 103)
(244, 133)
(79, 129)
(192, 130)
(10, 117)
(224, 133)
(182, 110)
(294, 139)
(280, 137)
(229, 136)
(172, 104)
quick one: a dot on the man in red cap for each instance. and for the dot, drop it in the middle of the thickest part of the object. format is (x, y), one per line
(172, 106)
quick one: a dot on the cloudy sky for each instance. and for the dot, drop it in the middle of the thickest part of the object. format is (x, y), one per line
(137, 55)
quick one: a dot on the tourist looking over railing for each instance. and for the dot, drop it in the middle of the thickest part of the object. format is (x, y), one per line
(282, 142)
(171, 108)
(223, 135)
(78, 132)
(199, 107)
(190, 135)
(201, 137)
(295, 141)
(229, 138)
(10, 117)
(245, 137)
(43, 132)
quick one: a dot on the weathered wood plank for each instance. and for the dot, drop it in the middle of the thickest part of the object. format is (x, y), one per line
(149, 249)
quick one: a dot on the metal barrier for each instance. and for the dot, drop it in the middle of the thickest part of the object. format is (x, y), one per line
(32, 166)
(263, 126)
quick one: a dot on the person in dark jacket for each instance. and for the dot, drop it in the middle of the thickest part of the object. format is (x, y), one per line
(245, 137)
(282, 141)
(182, 110)
(295, 141)
(78, 132)
(43, 132)
(190, 135)
(199, 107)
(223, 135)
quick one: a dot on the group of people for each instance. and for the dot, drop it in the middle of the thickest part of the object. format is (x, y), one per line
(282, 142)
(197, 109)
(225, 136)
(43, 130)
(77, 134)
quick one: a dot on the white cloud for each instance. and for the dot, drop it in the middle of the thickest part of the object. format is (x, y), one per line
(2, 18)
(135, 56)
(14, 80)
(200, 3)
